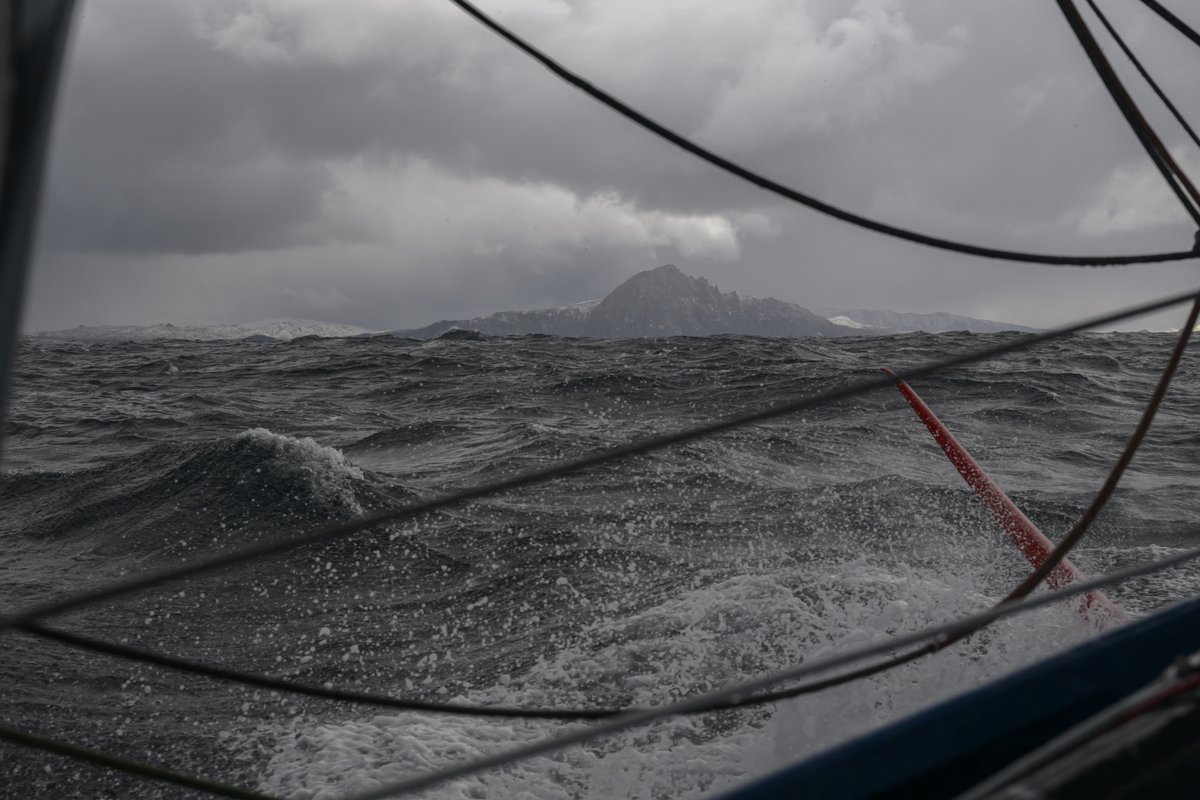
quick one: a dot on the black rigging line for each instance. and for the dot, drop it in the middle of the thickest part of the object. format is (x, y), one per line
(787, 192)
(405, 704)
(1166, 101)
(283, 685)
(1174, 21)
(956, 629)
(1188, 196)
(127, 765)
(328, 533)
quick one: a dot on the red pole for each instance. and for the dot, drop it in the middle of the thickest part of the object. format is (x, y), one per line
(1023, 533)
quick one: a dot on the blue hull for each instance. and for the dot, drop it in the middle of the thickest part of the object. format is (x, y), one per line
(947, 749)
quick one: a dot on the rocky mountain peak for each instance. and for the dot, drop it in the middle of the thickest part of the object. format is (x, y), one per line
(664, 302)
(660, 283)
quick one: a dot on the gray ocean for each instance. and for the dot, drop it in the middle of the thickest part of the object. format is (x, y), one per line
(635, 583)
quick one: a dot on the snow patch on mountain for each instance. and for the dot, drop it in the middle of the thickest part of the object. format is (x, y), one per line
(846, 322)
(885, 321)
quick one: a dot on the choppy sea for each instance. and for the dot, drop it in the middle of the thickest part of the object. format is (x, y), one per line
(636, 583)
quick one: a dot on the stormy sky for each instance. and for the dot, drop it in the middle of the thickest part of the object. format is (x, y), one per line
(389, 163)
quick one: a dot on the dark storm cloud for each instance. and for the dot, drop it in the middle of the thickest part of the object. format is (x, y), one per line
(162, 145)
(151, 104)
(391, 163)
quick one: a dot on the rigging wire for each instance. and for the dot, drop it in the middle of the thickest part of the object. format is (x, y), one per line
(284, 685)
(1133, 59)
(127, 765)
(963, 626)
(1173, 20)
(328, 533)
(1183, 188)
(789, 193)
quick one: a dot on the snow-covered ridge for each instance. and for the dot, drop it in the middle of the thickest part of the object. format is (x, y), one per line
(582, 308)
(281, 329)
(846, 322)
(885, 321)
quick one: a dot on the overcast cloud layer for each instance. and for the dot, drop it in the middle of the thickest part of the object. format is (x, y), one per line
(389, 164)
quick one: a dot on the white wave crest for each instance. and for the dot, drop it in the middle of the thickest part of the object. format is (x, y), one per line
(326, 470)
